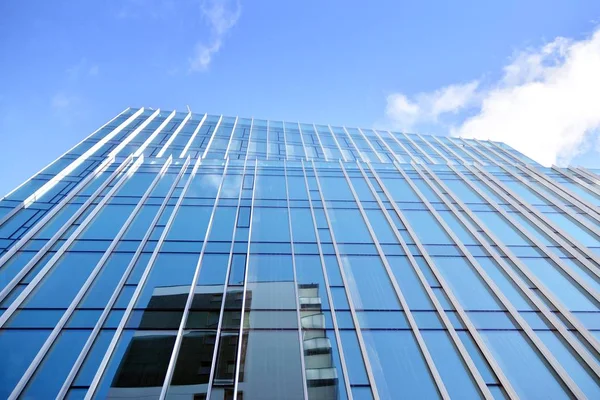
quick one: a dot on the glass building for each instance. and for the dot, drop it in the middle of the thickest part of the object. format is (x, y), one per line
(191, 256)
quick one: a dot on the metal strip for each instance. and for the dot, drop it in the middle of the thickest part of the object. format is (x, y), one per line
(189, 143)
(441, 388)
(297, 295)
(434, 148)
(114, 152)
(109, 352)
(243, 311)
(387, 146)
(320, 143)
(558, 369)
(212, 136)
(551, 226)
(71, 167)
(482, 386)
(559, 190)
(64, 154)
(23, 241)
(302, 141)
(419, 148)
(371, 145)
(174, 135)
(249, 141)
(40, 275)
(84, 288)
(336, 143)
(359, 151)
(401, 145)
(225, 287)
(450, 150)
(361, 342)
(143, 147)
(584, 285)
(89, 343)
(230, 139)
(453, 300)
(588, 174)
(192, 292)
(521, 284)
(55, 210)
(336, 329)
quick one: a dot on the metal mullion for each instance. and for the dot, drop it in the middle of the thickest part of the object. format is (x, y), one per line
(320, 143)
(533, 338)
(592, 292)
(387, 146)
(285, 145)
(434, 148)
(230, 138)
(71, 167)
(370, 145)
(474, 333)
(249, 142)
(81, 293)
(482, 386)
(243, 310)
(124, 142)
(191, 140)
(111, 347)
(154, 134)
(38, 256)
(569, 174)
(190, 298)
(267, 142)
(584, 177)
(88, 345)
(521, 284)
(174, 135)
(419, 148)
(336, 142)
(471, 154)
(451, 151)
(562, 232)
(492, 160)
(361, 341)
(441, 388)
(365, 159)
(593, 229)
(31, 199)
(559, 190)
(225, 287)
(300, 338)
(588, 174)
(59, 207)
(545, 195)
(336, 329)
(399, 143)
(121, 126)
(301, 140)
(212, 136)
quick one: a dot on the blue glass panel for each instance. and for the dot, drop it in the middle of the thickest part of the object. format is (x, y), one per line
(454, 372)
(353, 357)
(398, 365)
(18, 348)
(190, 223)
(369, 284)
(428, 230)
(105, 283)
(523, 366)
(348, 226)
(62, 283)
(108, 222)
(56, 365)
(270, 225)
(410, 285)
(466, 284)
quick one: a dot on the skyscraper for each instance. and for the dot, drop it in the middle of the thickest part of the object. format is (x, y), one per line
(192, 256)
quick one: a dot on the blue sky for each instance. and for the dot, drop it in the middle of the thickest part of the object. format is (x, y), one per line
(519, 71)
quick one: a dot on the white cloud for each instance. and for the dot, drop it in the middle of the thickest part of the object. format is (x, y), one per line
(82, 68)
(428, 107)
(221, 16)
(546, 105)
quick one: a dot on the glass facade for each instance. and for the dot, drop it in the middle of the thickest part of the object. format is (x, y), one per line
(178, 255)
